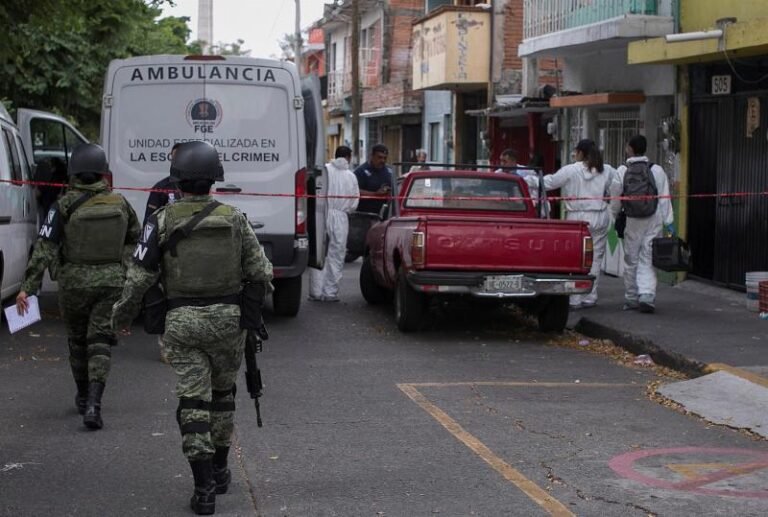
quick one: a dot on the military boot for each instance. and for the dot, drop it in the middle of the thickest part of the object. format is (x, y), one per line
(203, 500)
(82, 396)
(221, 474)
(92, 418)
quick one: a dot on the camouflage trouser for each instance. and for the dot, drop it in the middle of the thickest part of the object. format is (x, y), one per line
(87, 314)
(205, 347)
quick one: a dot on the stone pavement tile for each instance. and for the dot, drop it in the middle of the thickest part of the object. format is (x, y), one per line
(724, 399)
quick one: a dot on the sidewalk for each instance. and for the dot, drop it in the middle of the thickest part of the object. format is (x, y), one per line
(694, 325)
(697, 329)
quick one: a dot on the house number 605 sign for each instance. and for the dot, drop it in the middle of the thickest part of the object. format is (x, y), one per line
(721, 84)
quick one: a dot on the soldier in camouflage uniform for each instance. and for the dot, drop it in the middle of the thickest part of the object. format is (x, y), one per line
(202, 274)
(86, 241)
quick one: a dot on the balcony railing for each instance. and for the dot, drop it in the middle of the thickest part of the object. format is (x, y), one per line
(336, 80)
(547, 16)
(340, 81)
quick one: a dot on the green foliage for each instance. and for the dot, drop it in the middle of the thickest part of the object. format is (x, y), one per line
(54, 54)
(287, 47)
(230, 49)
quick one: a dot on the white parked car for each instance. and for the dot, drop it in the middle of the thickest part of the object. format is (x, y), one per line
(38, 136)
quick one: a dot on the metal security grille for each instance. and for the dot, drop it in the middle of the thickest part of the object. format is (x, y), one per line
(575, 129)
(548, 16)
(615, 128)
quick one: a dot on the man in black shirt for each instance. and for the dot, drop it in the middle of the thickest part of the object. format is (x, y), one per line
(375, 180)
(163, 192)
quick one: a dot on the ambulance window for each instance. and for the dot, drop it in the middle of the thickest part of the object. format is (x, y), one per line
(13, 154)
(72, 140)
(48, 140)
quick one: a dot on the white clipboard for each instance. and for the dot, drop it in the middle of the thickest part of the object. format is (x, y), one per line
(16, 322)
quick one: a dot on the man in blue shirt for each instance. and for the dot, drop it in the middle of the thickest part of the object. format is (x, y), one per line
(375, 180)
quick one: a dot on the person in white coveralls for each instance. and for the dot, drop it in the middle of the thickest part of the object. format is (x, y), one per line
(343, 196)
(641, 228)
(589, 182)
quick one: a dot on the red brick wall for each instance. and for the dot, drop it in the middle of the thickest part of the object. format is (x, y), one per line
(513, 36)
(394, 89)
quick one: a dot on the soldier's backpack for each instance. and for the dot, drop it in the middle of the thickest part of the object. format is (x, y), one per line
(95, 229)
(201, 257)
(638, 181)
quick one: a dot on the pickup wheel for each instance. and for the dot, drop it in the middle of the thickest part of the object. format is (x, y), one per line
(410, 305)
(372, 292)
(286, 299)
(553, 314)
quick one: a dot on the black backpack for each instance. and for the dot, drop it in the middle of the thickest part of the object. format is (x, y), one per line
(638, 181)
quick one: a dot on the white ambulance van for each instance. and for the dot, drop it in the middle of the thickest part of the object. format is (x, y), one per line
(255, 113)
(38, 136)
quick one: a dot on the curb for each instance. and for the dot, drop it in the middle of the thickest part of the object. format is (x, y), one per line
(641, 345)
(738, 372)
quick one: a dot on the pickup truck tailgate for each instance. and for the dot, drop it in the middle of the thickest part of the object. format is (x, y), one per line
(530, 245)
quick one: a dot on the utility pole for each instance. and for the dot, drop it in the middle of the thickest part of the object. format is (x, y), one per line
(355, 51)
(297, 43)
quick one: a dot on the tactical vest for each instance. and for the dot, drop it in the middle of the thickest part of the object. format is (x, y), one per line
(207, 263)
(95, 231)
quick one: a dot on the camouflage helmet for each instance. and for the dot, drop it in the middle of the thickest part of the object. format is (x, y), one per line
(87, 158)
(196, 160)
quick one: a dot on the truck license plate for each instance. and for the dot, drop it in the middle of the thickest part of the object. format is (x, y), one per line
(503, 284)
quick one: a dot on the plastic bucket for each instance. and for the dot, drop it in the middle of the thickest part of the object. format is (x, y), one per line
(753, 279)
(763, 295)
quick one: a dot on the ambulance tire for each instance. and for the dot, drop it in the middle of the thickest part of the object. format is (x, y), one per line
(553, 314)
(286, 300)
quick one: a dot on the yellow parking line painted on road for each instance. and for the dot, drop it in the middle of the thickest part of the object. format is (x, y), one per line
(531, 489)
(738, 372)
(523, 384)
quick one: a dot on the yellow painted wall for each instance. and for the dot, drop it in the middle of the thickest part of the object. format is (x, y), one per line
(696, 15)
(451, 49)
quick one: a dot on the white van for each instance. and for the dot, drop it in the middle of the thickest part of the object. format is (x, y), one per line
(253, 112)
(38, 136)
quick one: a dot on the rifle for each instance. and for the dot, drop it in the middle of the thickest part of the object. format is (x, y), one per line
(253, 345)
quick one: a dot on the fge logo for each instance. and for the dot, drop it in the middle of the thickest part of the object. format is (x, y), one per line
(204, 115)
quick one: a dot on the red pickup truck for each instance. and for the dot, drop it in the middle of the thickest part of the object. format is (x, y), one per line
(454, 233)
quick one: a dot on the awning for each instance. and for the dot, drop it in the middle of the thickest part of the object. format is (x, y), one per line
(597, 99)
(391, 112)
(510, 106)
(740, 39)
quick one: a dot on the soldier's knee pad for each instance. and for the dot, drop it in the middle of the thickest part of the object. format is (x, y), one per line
(220, 405)
(193, 426)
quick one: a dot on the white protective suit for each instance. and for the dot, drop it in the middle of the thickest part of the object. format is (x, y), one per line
(577, 181)
(324, 284)
(533, 187)
(639, 275)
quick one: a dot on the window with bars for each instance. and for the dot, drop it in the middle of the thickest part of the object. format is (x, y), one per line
(615, 128)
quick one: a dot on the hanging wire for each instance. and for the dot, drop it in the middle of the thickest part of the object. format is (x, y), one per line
(736, 73)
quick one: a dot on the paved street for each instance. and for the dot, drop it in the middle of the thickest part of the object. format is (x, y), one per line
(477, 415)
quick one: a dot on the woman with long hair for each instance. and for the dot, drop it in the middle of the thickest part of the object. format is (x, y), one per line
(585, 186)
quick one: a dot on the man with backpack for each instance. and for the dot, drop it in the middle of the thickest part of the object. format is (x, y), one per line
(214, 274)
(646, 204)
